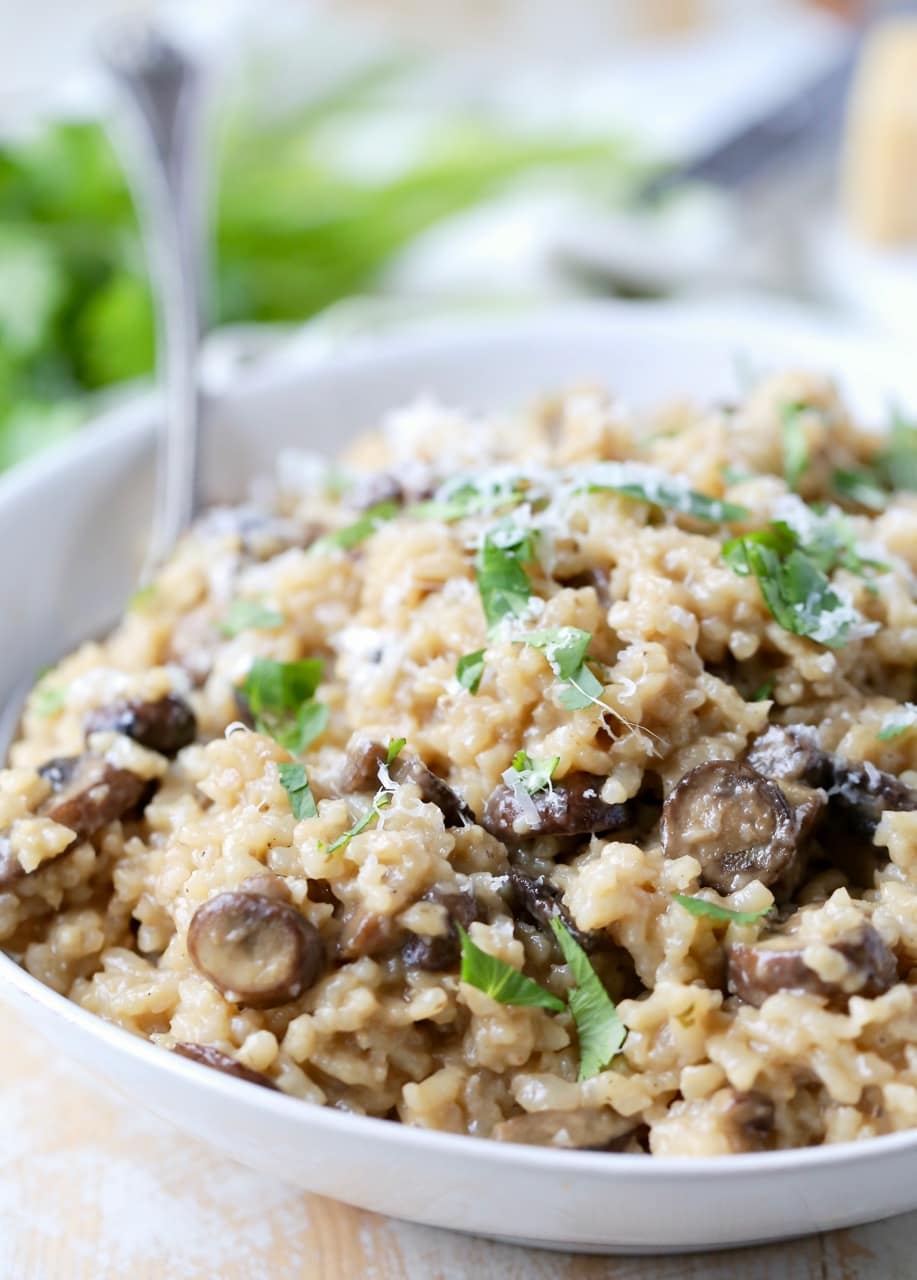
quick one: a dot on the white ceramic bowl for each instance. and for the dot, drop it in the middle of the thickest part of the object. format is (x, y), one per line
(71, 533)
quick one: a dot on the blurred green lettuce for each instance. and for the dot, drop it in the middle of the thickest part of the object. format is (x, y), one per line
(295, 232)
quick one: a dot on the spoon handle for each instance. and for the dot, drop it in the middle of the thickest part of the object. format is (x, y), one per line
(161, 89)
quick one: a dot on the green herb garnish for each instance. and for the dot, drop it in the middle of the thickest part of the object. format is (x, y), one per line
(764, 690)
(898, 722)
(503, 584)
(647, 484)
(49, 700)
(353, 534)
(795, 445)
(898, 463)
(860, 487)
(565, 649)
(470, 498)
(381, 800)
(796, 591)
(599, 1027)
(280, 698)
(500, 980)
(702, 907)
(470, 669)
(395, 747)
(250, 615)
(296, 785)
(535, 775)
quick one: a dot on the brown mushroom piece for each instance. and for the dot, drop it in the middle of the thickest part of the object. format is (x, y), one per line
(857, 793)
(87, 792)
(368, 933)
(219, 1061)
(361, 773)
(436, 953)
(739, 826)
(260, 534)
(257, 951)
(541, 901)
(776, 962)
(572, 807)
(749, 1121)
(164, 725)
(592, 1129)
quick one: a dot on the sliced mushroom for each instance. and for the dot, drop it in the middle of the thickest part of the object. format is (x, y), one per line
(777, 963)
(87, 792)
(219, 1061)
(857, 793)
(750, 1121)
(267, 885)
(166, 725)
(361, 773)
(368, 933)
(573, 807)
(540, 900)
(260, 534)
(593, 1129)
(738, 825)
(257, 951)
(435, 953)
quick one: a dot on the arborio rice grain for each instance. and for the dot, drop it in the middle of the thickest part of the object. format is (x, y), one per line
(755, 922)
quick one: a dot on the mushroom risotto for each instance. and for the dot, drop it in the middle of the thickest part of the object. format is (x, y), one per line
(551, 778)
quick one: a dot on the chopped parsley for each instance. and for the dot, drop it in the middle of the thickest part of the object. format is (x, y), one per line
(795, 445)
(898, 722)
(395, 747)
(353, 534)
(296, 785)
(599, 1027)
(713, 911)
(459, 500)
(470, 669)
(280, 698)
(795, 588)
(48, 700)
(535, 775)
(861, 487)
(381, 800)
(764, 690)
(898, 463)
(503, 584)
(250, 615)
(649, 484)
(500, 980)
(565, 649)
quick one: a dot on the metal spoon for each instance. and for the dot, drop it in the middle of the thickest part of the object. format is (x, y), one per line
(161, 90)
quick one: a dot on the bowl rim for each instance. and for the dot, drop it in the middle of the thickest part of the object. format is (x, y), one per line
(135, 418)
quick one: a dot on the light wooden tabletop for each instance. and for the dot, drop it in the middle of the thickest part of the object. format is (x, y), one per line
(90, 1189)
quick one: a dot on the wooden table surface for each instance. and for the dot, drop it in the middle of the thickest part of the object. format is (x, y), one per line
(92, 1190)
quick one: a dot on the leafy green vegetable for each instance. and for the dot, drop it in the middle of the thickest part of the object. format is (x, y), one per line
(796, 591)
(500, 980)
(599, 1027)
(503, 584)
(648, 484)
(250, 615)
(280, 697)
(701, 907)
(381, 800)
(470, 669)
(795, 445)
(898, 722)
(764, 690)
(48, 700)
(296, 231)
(898, 464)
(353, 534)
(861, 487)
(395, 747)
(535, 775)
(470, 498)
(296, 785)
(565, 649)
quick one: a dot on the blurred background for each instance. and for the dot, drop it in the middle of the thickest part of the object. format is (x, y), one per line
(372, 162)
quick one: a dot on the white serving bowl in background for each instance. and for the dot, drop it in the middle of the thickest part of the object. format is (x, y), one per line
(71, 537)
